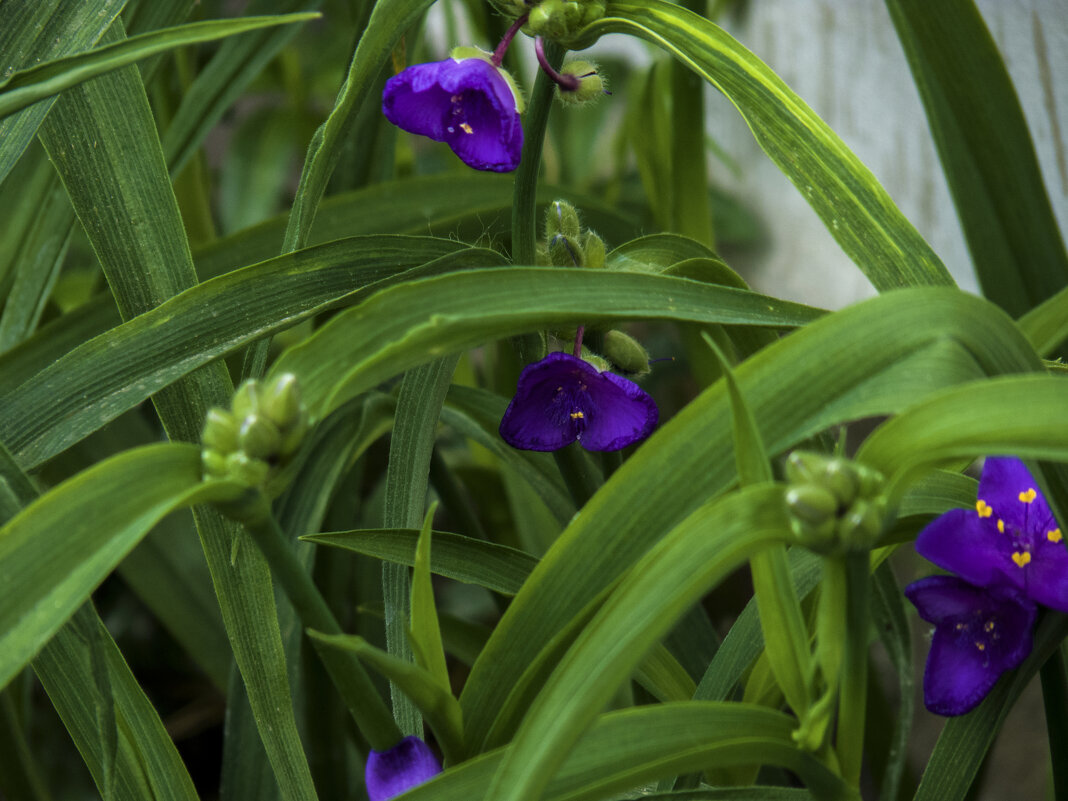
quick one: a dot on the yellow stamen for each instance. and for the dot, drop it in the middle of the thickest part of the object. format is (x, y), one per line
(1001, 526)
(1021, 559)
(1054, 536)
(983, 508)
(577, 415)
(989, 625)
(959, 627)
(980, 645)
(466, 128)
(1027, 497)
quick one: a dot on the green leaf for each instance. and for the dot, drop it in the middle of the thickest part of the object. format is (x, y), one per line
(403, 326)
(986, 152)
(625, 749)
(852, 204)
(690, 560)
(472, 204)
(57, 550)
(690, 455)
(971, 420)
(495, 567)
(434, 701)
(425, 633)
(102, 138)
(95, 382)
(388, 22)
(422, 391)
(34, 31)
(785, 636)
(1046, 325)
(26, 87)
(477, 414)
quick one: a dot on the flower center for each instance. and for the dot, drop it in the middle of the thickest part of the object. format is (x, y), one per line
(458, 110)
(979, 632)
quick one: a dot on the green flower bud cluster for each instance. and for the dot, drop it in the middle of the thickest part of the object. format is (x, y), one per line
(566, 244)
(591, 86)
(257, 438)
(835, 505)
(562, 19)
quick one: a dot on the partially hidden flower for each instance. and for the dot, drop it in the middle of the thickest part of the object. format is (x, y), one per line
(562, 398)
(1009, 556)
(1010, 539)
(467, 102)
(397, 770)
(979, 634)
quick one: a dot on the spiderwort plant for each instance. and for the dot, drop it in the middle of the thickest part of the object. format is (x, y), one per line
(1008, 556)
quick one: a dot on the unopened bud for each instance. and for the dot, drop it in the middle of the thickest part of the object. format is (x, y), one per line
(259, 437)
(561, 218)
(220, 431)
(626, 353)
(246, 400)
(281, 401)
(591, 86)
(593, 251)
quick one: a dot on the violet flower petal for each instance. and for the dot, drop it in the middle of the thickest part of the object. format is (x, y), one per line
(628, 422)
(979, 634)
(561, 399)
(465, 103)
(1011, 538)
(395, 771)
(970, 546)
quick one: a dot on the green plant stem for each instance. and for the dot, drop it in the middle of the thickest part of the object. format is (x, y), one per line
(854, 689)
(526, 176)
(1055, 700)
(371, 714)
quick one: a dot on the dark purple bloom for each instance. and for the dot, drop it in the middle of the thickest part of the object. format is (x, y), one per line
(1010, 539)
(467, 103)
(397, 770)
(562, 399)
(979, 634)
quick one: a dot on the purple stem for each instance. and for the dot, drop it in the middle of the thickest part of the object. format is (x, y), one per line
(509, 35)
(569, 83)
(577, 352)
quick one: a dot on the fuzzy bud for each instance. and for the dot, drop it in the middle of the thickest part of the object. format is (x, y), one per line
(626, 353)
(591, 86)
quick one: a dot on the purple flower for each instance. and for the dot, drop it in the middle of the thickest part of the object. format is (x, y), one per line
(562, 399)
(467, 103)
(979, 634)
(397, 770)
(1010, 539)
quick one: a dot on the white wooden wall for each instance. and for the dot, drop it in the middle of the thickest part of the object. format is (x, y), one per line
(843, 58)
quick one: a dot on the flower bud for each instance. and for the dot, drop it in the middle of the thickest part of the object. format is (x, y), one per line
(591, 86)
(564, 252)
(593, 251)
(835, 505)
(220, 431)
(246, 470)
(281, 401)
(626, 353)
(259, 437)
(811, 505)
(215, 463)
(562, 219)
(246, 399)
